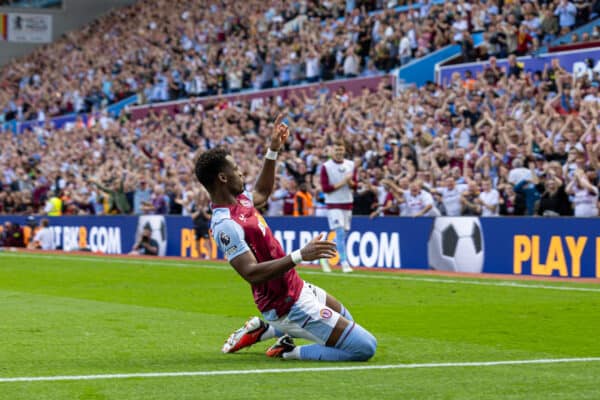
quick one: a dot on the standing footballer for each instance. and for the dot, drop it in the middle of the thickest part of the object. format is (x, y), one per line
(290, 306)
(338, 180)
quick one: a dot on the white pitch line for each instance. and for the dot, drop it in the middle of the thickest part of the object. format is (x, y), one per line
(296, 370)
(466, 281)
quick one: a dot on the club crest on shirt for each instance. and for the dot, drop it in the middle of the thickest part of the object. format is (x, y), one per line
(224, 238)
(325, 313)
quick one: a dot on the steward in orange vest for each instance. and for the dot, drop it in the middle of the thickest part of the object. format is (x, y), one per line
(303, 201)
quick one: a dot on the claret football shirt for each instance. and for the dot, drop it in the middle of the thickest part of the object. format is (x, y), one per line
(240, 228)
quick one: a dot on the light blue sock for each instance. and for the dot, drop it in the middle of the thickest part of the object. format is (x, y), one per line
(323, 353)
(355, 344)
(340, 242)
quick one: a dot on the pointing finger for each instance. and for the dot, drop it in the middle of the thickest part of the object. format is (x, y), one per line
(278, 120)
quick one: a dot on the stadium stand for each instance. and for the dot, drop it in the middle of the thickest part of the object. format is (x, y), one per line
(253, 44)
(519, 130)
(535, 136)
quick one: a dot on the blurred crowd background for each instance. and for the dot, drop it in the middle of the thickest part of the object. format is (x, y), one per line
(500, 142)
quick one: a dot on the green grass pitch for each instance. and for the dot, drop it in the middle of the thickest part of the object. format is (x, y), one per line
(66, 315)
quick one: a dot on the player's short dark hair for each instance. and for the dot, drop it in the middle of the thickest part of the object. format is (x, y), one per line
(209, 164)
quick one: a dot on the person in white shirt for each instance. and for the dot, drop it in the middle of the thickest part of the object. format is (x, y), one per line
(44, 238)
(459, 27)
(419, 202)
(338, 180)
(404, 50)
(518, 173)
(585, 195)
(312, 67)
(451, 196)
(351, 64)
(593, 94)
(489, 198)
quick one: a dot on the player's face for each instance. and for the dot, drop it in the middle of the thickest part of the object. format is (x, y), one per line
(338, 153)
(235, 177)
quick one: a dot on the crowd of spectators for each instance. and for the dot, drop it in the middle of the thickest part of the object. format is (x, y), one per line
(501, 142)
(164, 50)
(586, 37)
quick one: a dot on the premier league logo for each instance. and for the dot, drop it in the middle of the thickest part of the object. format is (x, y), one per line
(224, 238)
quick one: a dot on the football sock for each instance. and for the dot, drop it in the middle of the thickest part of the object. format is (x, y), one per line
(269, 333)
(293, 355)
(355, 344)
(322, 352)
(340, 242)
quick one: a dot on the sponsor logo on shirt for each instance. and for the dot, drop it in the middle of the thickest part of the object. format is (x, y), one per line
(230, 251)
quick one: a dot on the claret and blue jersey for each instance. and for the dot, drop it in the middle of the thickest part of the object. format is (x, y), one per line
(240, 228)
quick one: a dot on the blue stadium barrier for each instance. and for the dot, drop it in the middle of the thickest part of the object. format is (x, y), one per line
(572, 61)
(58, 122)
(559, 247)
(566, 38)
(421, 70)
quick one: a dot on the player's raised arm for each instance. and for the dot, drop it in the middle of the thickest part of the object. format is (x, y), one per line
(266, 179)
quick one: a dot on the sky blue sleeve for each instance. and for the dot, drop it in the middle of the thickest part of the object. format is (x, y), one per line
(230, 239)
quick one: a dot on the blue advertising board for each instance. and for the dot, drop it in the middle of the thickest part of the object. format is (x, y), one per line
(560, 247)
(114, 110)
(566, 247)
(572, 61)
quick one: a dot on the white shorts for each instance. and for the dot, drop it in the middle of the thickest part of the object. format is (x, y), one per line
(338, 218)
(309, 318)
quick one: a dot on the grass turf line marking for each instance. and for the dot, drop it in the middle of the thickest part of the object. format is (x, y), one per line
(466, 281)
(296, 370)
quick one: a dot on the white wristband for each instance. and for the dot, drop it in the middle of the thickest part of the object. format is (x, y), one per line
(296, 257)
(271, 155)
